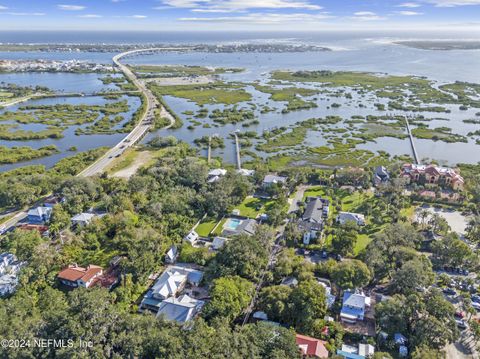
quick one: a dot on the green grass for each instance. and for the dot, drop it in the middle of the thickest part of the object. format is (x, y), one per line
(251, 207)
(438, 134)
(353, 202)
(362, 242)
(126, 160)
(219, 228)
(204, 228)
(215, 93)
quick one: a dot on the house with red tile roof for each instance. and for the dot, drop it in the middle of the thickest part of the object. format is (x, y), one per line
(75, 276)
(311, 347)
(433, 175)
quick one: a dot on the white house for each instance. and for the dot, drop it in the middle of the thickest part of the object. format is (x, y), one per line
(344, 217)
(82, 219)
(192, 237)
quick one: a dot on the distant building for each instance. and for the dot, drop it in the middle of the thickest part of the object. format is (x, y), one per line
(311, 347)
(171, 255)
(270, 180)
(75, 276)
(181, 309)
(82, 219)
(39, 215)
(245, 172)
(380, 175)
(9, 270)
(361, 351)
(344, 217)
(433, 175)
(354, 307)
(215, 174)
(291, 282)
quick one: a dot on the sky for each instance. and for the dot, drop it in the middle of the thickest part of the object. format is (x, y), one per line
(238, 15)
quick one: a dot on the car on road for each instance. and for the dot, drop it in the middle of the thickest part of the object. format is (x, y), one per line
(459, 315)
(476, 298)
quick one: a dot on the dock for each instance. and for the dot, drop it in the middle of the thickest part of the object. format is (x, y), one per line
(237, 150)
(412, 142)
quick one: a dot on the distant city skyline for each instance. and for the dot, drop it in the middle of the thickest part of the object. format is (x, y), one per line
(228, 15)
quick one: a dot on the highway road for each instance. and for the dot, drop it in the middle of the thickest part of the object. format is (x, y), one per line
(140, 129)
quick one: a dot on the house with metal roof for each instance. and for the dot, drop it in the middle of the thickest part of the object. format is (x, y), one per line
(354, 306)
(39, 215)
(181, 309)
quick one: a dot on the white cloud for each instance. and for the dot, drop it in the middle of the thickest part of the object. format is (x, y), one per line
(409, 5)
(90, 16)
(367, 16)
(453, 3)
(233, 5)
(409, 13)
(262, 18)
(71, 7)
(3, 7)
(132, 17)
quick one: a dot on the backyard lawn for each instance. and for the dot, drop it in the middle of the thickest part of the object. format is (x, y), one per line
(251, 207)
(204, 228)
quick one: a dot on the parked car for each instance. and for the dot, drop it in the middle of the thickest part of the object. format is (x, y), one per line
(459, 315)
(476, 305)
(450, 291)
(476, 298)
(461, 323)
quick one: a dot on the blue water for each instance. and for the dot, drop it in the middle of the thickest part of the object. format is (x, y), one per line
(232, 224)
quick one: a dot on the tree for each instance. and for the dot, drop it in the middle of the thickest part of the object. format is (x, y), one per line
(275, 302)
(473, 229)
(414, 274)
(351, 274)
(425, 319)
(424, 352)
(22, 243)
(230, 296)
(390, 248)
(287, 264)
(344, 240)
(59, 220)
(245, 256)
(439, 224)
(308, 303)
(451, 251)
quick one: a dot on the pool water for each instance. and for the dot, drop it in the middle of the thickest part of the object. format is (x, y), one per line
(232, 223)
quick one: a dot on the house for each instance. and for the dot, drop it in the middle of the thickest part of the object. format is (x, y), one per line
(181, 309)
(237, 226)
(432, 175)
(245, 172)
(39, 215)
(361, 351)
(82, 219)
(344, 217)
(328, 292)
(9, 269)
(291, 282)
(192, 237)
(380, 175)
(219, 243)
(171, 255)
(270, 180)
(311, 347)
(312, 221)
(354, 306)
(75, 276)
(215, 174)
(171, 282)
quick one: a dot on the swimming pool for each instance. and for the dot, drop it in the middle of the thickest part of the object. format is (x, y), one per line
(232, 224)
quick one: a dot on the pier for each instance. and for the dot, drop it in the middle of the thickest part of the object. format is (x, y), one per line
(237, 150)
(412, 142)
